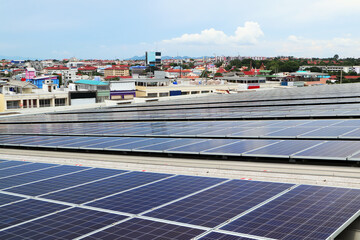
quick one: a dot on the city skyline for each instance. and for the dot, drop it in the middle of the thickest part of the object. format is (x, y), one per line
(120, 29)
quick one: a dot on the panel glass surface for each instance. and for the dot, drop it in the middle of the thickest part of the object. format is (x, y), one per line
(38, 175)
(331, 150)
(153, 195)
(198, 147)
(67, 224)
(92, 191)
(240, 147)
(9, 164)
(222, 236)
(5, 198)
(23, 169)
(54, 184)
(304, 213)
(142, 143)
(284, 148)
(146, 229)
(25, 210)
(168, 145)
(219, 204)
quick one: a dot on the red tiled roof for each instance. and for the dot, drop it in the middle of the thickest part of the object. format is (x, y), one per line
(57, 68)
(121, 67)
(178, 70)
(221, 70)
(351, 77)
(87, 68)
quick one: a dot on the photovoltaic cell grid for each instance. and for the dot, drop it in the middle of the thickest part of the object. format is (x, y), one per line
(306, 212)
(67, 224)
(217, 205)
(156, 194)
(54, 184)
(95, 190)
(27, 178)
(145, 229)
(25, 210)
(40, 219)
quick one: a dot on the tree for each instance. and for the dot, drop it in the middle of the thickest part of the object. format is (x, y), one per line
(289, 66)
(314, 69)
(204, 74)
(336, 57)
(219, 64)
(218, 75)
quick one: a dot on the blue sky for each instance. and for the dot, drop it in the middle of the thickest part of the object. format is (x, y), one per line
(110, 29)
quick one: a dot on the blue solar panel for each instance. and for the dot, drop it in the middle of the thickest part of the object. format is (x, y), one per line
(5, 199)
(70, 140)
(23, 169)
(9, 164)
(256, 131)
(106, 187)
(291, 132)
(38, 175)
(42, 140)
(306, 212)
(335, 150)
(328, 132)
(198, 147)
(164, 146)
(146, 229)
(239, 147)
(90, 140)
(116, 141)
(46, 186)
(25, 210)
(67, 224)
(222, 236)
(219, 204)
(142, 143)
(283, 148)
(147, 197)
(354, 134)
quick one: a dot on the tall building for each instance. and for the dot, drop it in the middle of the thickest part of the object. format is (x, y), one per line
(153, 58)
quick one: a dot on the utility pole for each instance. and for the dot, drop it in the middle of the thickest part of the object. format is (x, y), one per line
(341, 76)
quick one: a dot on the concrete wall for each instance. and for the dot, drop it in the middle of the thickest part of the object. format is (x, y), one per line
(2, 103)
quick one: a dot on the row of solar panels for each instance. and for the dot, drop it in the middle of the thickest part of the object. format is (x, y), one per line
(227, 105)
(325, 91)
(318, 129)
(201, 114)
(297, 149)
(93, 203)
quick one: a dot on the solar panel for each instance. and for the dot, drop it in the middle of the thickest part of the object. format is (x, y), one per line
(239, 147)
(5, 199)
(73, 179)
(306, 212)
(282, 149)
(219, 204)
(196, 148)
(223, 236)
(24, 168)
(328, 132)
(10, 164)
(165, 146)
(147, 197)
(38, 175)
(26, 210)
(113, 142)
(67, 224)
(291, 132)
(90, 140)
(145, 229)
(142, 143)
(334, 150)
(95, 190)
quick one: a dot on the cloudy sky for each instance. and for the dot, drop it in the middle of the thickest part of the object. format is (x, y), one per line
(111, 29)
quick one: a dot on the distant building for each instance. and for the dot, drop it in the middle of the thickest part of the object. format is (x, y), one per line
(117, 71)
(153, 58)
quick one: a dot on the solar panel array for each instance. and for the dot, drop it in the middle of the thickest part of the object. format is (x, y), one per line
(51, 201)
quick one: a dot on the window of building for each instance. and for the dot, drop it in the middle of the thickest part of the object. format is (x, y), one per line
(163, 94)
(152, 95)
(12, 104)
(44, 102)
(204, 91)
(60, 102)
(194, 92)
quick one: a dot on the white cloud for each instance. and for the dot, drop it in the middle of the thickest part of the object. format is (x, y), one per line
(249, 34)
(305, 47)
